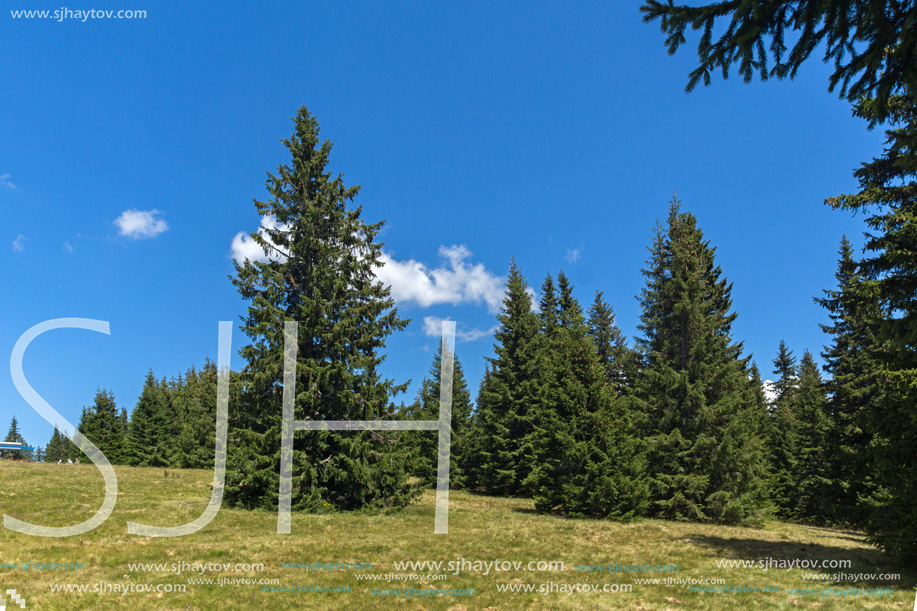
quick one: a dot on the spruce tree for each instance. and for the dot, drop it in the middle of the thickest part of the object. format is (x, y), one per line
(86, 426)
(423, 445)
(194, 405)
(474, 459)
(148, 430)
(102, 425)
(783, 441)
(585, 461)
(812, 478)
(320, 273)
(508, 392)
(51, 452)
(548, 307)
(550, 444)
(57, 447)
(706, 459)
(889, 278)
(15, 436)
(869, 44)
(798, 440)
(786, 370)
(620, 360)
(764, 420)
(853, 388)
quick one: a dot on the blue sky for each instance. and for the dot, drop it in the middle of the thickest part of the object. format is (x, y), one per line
(132, 149)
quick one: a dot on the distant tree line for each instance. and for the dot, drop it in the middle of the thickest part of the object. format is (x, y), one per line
(172, 425)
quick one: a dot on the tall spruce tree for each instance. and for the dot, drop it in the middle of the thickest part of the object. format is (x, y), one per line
(508, 391)
(783, 439)
(889, 278)
(853, 388)
(319, 272)
(148, 431)
(563, 395)
(812, 477)
(585, 461)
(706, 460)
(423, 445)
(762, 411)
(102, 425)
(798, 440)
(474, 454)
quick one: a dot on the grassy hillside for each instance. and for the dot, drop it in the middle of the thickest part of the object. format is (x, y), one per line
(481, 529)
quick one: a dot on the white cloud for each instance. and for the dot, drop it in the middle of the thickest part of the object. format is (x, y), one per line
(572, 256)
(770, 391)
(454, 283)
(433, 327)
(140, 224)
(536, 306)
(19, 243)
(67, 248)
(245, 247)
(6, 182)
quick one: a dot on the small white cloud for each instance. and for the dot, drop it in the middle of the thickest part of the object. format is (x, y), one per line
(140, 224)
(6, 182)
(245, 247)
(19, 243)
(67, 247)
(433, 327)
(572, 256)
(454, 283)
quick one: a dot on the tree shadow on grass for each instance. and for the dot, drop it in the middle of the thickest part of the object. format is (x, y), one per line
(839, 533)
(862, 560)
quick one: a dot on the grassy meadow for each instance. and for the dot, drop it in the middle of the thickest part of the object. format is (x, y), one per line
(480, 529)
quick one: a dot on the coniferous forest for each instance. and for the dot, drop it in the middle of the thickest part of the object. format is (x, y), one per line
(675, 424)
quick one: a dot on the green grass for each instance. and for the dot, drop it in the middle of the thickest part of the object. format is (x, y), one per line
(480, 529)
